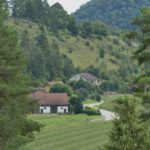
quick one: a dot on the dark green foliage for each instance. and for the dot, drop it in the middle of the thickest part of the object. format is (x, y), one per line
(86, 29)
(68, 67)
(15, 128)
(61, 88)
(80, 84)
(89, 28)
(59, 18)
(90, 112)
(93, 70)
(44, 60)
(110, 86)
(87, 43)
(83, 92)
(73, 26)
(116, 13)
(56, 18)
(98, 97)
(57, 6)
(143, 22)
(39, 11)
(101, 53)
(128, 132)
(143, 56)
(76, 104)
(34, 10)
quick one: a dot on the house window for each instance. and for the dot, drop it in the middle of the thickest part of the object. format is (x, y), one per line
(62, 108)
(44, 107)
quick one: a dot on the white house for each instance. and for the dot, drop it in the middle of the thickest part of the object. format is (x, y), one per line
(52, 103)
(86, 77)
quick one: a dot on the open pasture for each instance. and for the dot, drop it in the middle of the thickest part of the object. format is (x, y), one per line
(70, 132)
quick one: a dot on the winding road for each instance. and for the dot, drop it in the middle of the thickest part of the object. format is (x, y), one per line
(107, 115)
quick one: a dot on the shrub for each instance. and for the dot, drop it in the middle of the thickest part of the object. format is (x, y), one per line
(70, 50)
(60, 88)
(76, 104)
(91, 112)
(116, 41)
(87, 43)
(30, 26)
(98, 98)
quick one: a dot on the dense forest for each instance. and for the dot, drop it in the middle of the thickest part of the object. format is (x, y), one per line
(116, 13)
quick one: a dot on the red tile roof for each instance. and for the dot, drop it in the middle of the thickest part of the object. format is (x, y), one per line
(46, 99)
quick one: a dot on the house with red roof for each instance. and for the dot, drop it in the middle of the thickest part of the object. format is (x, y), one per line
(51, 103)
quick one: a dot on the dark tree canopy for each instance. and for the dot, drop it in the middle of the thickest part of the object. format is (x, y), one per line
(128, 132)
(15, 128)
(143, 56)
(116, 13)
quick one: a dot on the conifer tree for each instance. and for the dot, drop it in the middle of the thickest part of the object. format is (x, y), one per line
(128, 132)
(143, 56)
(15, 128)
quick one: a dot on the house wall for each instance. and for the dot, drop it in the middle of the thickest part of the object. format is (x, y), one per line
(45, 109)
(77, 78)
(96, 82)
(62, 109)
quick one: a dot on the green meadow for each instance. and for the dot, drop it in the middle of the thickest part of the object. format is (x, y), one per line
(69, 132)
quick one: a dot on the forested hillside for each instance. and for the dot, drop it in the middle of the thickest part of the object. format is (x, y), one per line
(116, 13)
(57, 47)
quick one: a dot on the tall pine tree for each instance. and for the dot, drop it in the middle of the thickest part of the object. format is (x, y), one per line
(128, 132)
(15, 129)
(143, 56)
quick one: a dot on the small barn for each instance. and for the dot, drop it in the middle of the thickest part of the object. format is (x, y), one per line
(52, 103)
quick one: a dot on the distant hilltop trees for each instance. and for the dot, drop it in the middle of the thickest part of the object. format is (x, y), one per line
(116, 13)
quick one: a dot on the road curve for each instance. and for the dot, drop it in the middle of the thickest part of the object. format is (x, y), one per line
(108, 115)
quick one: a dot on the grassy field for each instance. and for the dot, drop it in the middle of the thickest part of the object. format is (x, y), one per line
(109, 102)
(71, 132)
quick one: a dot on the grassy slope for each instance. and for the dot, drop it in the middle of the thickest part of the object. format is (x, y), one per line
(82, 55)
(72, 132)
(89, 101)
(110, 102)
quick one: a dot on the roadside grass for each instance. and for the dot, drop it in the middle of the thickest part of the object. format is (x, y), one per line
(70, 132)
(109, 102)
(90, 101)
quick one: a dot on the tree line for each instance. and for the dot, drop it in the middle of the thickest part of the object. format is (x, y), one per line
(116, 13)
(55, 18)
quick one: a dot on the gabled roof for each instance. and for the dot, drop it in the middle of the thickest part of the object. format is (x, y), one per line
(46, 99)
(88, 76)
